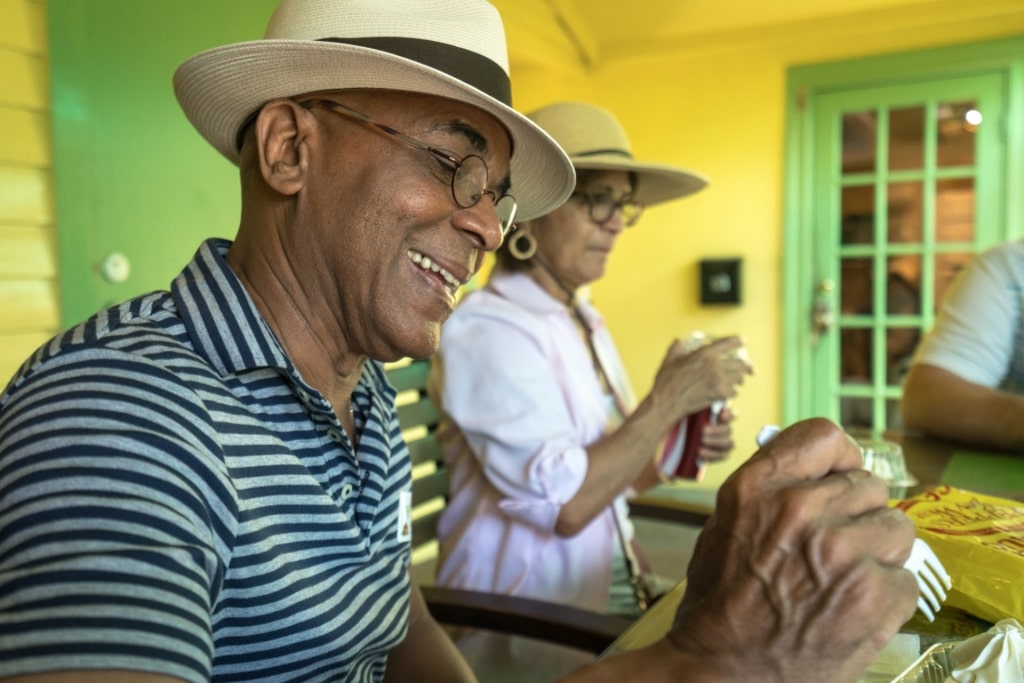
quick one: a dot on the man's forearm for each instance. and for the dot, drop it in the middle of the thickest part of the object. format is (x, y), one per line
(427, 653)
(943, 404)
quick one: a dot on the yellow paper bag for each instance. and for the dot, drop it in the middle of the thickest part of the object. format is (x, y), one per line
(980, 541)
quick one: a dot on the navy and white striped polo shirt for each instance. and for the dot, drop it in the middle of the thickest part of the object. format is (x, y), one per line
(174, 498)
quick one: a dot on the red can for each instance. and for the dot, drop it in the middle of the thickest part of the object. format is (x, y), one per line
(679, 456)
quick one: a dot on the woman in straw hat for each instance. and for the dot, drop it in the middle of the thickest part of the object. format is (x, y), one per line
(206, 484)
(544, 443)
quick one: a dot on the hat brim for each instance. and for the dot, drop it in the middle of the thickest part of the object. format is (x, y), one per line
(220, 88)
(655, 183)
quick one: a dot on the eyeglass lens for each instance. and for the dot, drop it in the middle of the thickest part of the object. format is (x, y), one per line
(469, 185)
(602, 208)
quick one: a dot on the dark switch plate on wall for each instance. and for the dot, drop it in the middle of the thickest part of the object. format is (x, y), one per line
(720, 281)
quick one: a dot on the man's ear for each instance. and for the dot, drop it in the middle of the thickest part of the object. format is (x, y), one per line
(282, 129)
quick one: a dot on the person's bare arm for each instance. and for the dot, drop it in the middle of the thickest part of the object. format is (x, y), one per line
(943, 404)
(427, 653)
(797, 576)
(685, 383)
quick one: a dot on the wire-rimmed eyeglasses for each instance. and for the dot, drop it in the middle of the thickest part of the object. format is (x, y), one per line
(469, 174)
(602, 207)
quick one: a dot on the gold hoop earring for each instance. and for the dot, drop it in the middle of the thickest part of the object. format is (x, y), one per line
(523, 246)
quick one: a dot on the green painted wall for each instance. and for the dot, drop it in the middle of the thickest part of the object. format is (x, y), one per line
(131, 174)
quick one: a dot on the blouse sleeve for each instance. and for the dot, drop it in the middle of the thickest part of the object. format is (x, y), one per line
(519, 396)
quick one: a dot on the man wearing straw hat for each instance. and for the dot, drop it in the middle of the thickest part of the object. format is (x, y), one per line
(208, 483)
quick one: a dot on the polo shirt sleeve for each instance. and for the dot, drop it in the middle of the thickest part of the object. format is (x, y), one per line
(507, 394)
(110, 494)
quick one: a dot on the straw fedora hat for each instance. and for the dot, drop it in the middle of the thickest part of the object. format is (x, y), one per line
(594, 139)
(448, 48)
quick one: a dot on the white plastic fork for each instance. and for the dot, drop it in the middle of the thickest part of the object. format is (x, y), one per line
(933, 582)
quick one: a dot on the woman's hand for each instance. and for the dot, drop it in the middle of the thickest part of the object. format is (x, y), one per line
(716, 440)
(689, 382)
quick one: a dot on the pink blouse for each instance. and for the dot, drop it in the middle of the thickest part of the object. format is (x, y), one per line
(521, 401)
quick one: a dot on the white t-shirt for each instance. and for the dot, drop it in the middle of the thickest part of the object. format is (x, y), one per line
(979, 333)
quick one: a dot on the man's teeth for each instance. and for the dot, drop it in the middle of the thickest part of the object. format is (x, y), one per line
(425, 263)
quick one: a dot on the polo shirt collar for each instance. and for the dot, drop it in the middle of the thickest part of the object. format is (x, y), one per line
(220, 317)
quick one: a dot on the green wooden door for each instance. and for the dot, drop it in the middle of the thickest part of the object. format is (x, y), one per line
(137, 188)
(896, 180)
(909, 191)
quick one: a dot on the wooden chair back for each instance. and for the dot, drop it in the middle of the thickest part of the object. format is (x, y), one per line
(419, 417)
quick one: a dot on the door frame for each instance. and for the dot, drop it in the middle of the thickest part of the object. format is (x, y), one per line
(805, 84)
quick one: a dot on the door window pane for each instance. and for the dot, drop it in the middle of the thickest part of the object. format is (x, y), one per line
(856, 293)
(906, 139)
(855, 355)
(900, 343)
(957, 124)
(954, 210)
(858, 213)
(903, 286)
(894, 420)
(855, 413)
(904, 212)
(902, 298)
(860, 131)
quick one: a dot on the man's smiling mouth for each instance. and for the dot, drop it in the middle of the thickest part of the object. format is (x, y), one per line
(425, 263)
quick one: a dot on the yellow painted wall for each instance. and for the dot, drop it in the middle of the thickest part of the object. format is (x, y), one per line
(718, 106)
(28, 271)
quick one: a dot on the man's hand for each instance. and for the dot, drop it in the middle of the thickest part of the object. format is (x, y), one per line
(798, 575)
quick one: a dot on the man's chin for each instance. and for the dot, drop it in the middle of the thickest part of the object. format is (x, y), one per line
(421, 344)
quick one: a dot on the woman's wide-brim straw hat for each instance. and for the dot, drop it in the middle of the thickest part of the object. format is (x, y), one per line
(594, 139)
(447, 48)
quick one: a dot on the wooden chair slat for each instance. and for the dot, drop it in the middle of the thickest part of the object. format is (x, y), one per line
(424, 529)
(422, 412)
(424, 449)
(411, 376)
(433, 485)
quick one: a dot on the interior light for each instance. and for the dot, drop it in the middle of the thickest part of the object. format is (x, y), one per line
(973, 117)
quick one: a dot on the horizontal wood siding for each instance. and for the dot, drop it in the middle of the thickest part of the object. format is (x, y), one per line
(29, 308)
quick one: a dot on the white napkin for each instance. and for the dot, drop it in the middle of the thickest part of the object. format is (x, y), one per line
(996, 656)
